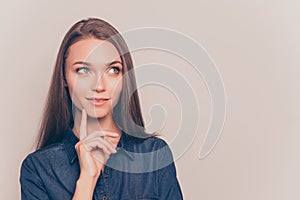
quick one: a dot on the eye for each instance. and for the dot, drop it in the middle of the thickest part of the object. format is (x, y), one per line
(82, 70)
(114, 70)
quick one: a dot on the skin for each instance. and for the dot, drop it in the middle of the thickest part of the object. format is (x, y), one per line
(95, 78)
(93, 69)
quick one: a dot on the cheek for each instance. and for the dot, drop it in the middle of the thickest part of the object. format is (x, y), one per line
(116, 88)
(77, 90)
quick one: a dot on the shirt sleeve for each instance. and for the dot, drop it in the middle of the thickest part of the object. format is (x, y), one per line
(169, 187)
(32, 187)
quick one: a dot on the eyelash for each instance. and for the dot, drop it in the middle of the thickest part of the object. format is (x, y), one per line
(86, 68)
(80, 68)
(116, 68)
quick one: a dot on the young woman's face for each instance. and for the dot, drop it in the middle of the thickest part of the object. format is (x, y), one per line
(94, 76)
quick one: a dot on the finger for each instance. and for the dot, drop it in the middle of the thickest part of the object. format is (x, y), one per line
(96, 146)
(99, 141)
(111, 134)
(97, 134)
(100, 157)
(103, 140)
(82, 129)
(102, 134)
(81, 144)
(111, 148)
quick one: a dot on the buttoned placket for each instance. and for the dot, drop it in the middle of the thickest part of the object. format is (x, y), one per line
(106, 179)
(102, 185)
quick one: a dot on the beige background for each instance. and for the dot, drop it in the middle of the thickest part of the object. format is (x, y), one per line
(256, 47)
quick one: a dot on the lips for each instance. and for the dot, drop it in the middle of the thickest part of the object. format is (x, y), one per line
(98, 101)
(98, 98)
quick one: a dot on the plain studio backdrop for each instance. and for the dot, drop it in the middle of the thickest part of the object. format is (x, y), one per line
(255, 45)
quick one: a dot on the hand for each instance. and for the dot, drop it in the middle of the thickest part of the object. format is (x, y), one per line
(93, 149)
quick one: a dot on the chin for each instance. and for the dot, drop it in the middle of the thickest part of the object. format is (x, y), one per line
(96, 114)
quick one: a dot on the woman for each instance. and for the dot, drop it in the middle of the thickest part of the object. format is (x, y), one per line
(92, 143)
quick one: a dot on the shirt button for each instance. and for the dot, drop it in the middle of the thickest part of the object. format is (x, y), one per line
(107, 171)
(104, 198)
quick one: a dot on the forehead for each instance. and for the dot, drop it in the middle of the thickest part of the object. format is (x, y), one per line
(95, 51)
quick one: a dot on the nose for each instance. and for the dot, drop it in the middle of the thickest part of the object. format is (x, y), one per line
(99, 85)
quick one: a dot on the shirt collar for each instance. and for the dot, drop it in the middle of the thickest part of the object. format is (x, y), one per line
(71, 139)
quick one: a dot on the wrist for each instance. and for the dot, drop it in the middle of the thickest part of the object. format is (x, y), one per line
(86, 178)
(85, 186)
(89, 175)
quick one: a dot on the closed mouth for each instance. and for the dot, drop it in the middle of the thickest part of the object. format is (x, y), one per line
(98, 101)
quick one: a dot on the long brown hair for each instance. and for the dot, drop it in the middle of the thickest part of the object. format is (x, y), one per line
(57, 115)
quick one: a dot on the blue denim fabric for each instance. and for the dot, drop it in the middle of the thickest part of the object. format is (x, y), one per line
(141, 169)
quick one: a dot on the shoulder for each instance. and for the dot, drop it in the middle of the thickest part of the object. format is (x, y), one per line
(47, 151)
(45, 155)
(149, 144)
(152, 147)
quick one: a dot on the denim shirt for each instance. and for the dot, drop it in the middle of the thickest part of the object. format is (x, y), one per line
(141, 169)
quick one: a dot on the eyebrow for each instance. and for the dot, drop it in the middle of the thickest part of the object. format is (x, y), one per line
(89, 64)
